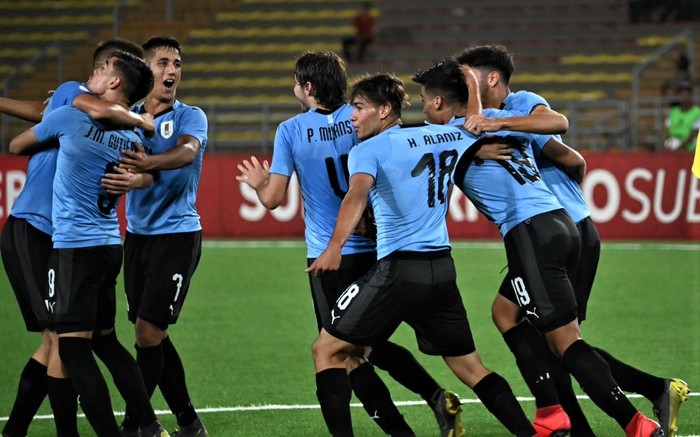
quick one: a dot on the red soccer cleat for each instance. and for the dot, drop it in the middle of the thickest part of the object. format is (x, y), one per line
(552, 422)
(641, 426)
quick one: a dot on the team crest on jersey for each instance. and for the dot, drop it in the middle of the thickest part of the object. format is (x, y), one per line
(166, 129)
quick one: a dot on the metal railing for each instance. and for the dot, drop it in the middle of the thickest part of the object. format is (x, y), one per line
(684, 37)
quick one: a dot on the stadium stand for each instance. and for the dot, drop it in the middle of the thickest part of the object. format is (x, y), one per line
(578, 54)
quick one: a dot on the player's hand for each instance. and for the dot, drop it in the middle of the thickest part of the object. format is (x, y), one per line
(121, 182)
(148, 126)
(478, 124)
(253, 172)
(137, 161)
(495, 151)
(328, 261)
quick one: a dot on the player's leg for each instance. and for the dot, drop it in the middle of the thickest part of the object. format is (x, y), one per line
(166, 264)
(438, 316)
(25, 253)
(79, 274)
(368, 387)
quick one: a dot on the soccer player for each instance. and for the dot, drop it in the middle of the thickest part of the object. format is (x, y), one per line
(26, 245)
(163, 242)
(493, 67)
(315, 145)
(406, 174)
(541, 240)
(87, 254)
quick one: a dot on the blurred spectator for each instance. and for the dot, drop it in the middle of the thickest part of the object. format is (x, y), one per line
(364, 34)
(683, 121)
(681, 73)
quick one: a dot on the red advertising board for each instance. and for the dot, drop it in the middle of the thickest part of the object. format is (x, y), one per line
(631, 196)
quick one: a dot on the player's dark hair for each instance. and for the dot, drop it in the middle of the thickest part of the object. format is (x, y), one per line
(326, 72)
(104, 48)
(381, 88)
(494, 56)
(155, 42)
(444, 79)
(136, 75)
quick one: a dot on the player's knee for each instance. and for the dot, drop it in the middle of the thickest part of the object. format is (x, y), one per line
(148, 335)
(505, 314)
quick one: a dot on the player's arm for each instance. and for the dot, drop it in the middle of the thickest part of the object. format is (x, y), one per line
(183, 154)
(270, 188)
(26, 110)
(351, 210)
(566, 157)
(474, 106)
(26, 143)
(542, 120)
(102, 110)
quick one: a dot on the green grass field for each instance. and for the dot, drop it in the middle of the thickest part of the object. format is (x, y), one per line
(246, 330)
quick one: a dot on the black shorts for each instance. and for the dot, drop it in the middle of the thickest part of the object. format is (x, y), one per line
(326, 289)
(81, 288)
(541, 252)
(419, 288)
(25, 255)
(157, 274)
(583, 274)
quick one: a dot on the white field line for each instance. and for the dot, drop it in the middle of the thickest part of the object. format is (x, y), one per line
(280, 407)
(492, 245)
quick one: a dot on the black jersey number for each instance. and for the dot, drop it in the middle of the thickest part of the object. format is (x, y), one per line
(447, 161)
(522, 169)
(333, 174)
(107, 202)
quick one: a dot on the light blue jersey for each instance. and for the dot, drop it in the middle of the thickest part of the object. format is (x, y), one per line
(413, 169)
(168, 206)
(316, 145)
(84, 215)
(564, 188)
(34, 202)
(506, 192)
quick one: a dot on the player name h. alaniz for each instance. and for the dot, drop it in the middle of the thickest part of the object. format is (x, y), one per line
(436, 139)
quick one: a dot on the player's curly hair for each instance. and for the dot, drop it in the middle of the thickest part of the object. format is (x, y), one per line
(381, 88)
(445, 79)
(494, 56)
(326, 73)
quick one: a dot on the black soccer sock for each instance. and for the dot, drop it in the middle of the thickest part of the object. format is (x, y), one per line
(593, 374)
(76, 354)
(64, 403)
(174, 387)
(126, 376)
(31, 392)
(567, 398)
(497, 396)
(333, 393)
(150, 361)
(631, 379)
(403, 367)
(530, 352)
(376, 400)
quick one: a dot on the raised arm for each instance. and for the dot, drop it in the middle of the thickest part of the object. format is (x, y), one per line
(542, 120)
(351, 210)
(24, 109)
(103, 110)
(270, 188)
(566, 157)
(184, 153)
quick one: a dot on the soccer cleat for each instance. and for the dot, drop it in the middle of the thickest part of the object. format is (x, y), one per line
(155, 429)
(641, 426)
(194, 429)
(666, 407)
(447, 408)
(552, 422)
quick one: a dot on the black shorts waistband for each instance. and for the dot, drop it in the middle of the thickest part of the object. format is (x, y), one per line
(427, 255)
